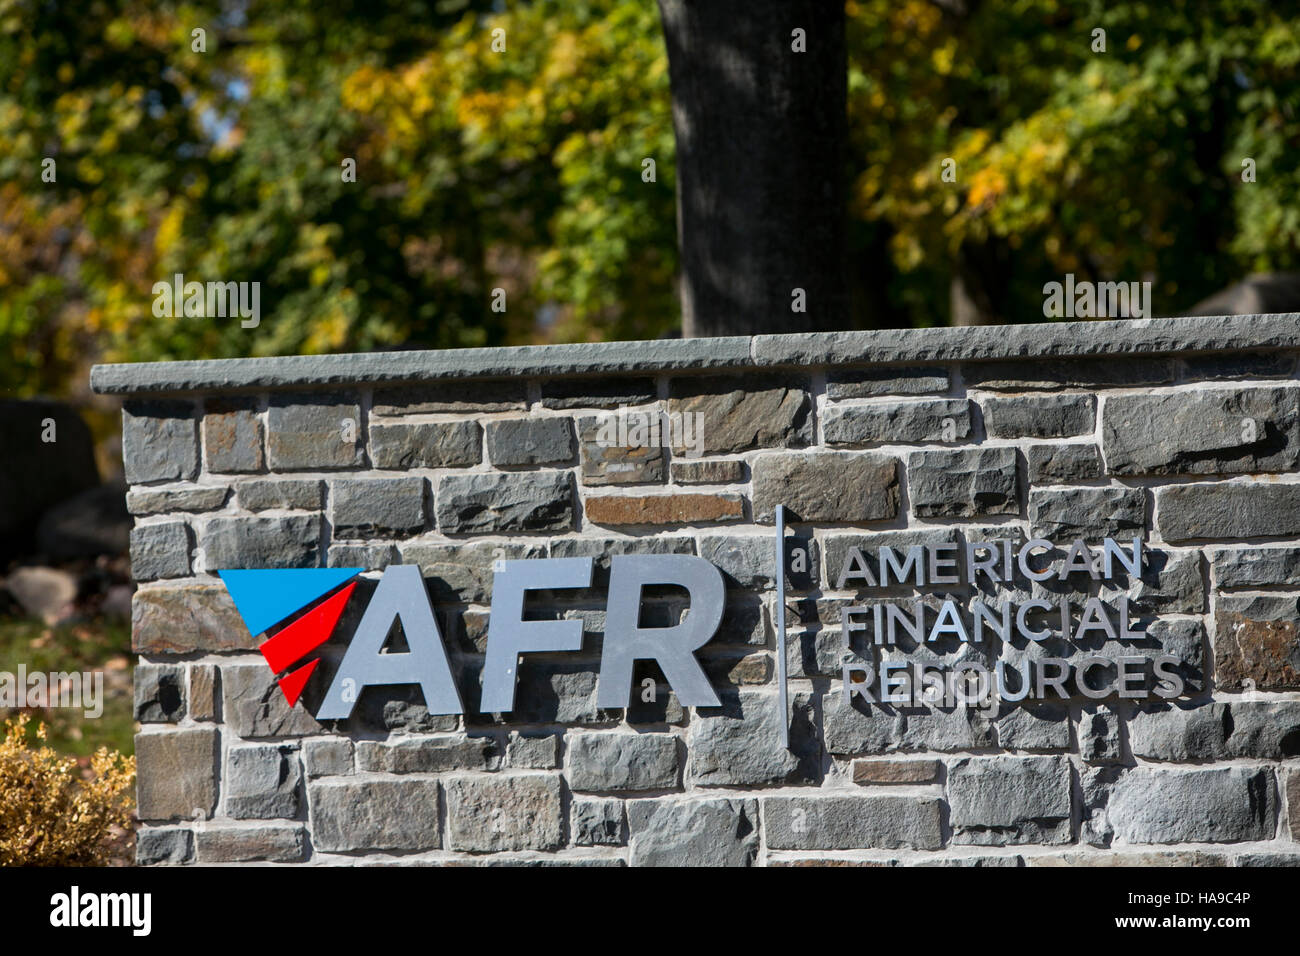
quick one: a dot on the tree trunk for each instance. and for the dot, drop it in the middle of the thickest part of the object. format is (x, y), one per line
(761, 178)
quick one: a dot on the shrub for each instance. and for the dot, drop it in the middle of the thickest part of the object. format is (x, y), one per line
(49, 815)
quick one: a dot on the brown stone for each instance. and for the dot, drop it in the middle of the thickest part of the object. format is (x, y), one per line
(664, 509)
(750, 669)
(203, 691)
(1256, 641)
(1293, 801)
(739, 413)
(895, 771)
(176, 773)
(606, 464)
(190, 617)
(826, 486)
(232, 437)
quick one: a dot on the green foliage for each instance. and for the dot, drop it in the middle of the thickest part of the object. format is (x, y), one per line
(522, 170)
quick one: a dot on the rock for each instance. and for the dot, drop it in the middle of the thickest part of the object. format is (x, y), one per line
(853, 821)
(327, 756)
(261, 782)
(1099, 735)
(350, 814)
(254, 706)
(963, 483)
(737, 414)
(749, 561)
(1256, 642)
(1042, 727)
(1002, 800)
(896, 771)
(406, 445)
(1040, 416)
(462, 572)
(47, 593)
(273, 843)
(1254, 730)
(589, 393)
(1063, 464)
(826, 486)
(531, 752)
(890, 380)
(159, 441)
(719, 472)
(622, 761)
(699, 832)
(152, 501)
(159, 693)
(1216, 805)
(530, 441)
(310, 431)
(681, 508)
(450, 397)
(263, 494)
(182, 619)
(203, 691)
(86, 525)
(378, 507)
(232, 436)
(155, 845)
(606, 463)
(596, 821)
(427, 754)
(1213, 431)
(733, 745)
(161, 550)
(292, 541)
(926, 420)
(1228, 510)
(177, 773)
(862, 728)
(1092, 513)
(526, 501)
(486, 814)
(1250, 567)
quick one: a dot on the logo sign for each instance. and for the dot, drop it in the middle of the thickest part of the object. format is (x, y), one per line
(309, 602)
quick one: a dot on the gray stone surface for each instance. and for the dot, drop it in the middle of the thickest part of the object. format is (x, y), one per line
(203, 691)
(233, 436)
(1210, 431)
(855, 729)
(261, 782)
(713, 472)
(852, 821)
(621, 761)
(253, 705)
(887, 380)
(463, 571)
(159, 441)
(922, 420)
(710, 832)
(1030, 727)
(161, 550)
(263, 842)
(160, 693)
(327, 756)
(428, 754)
(1239, 365)
(163, 845)
(425, 444)
(531, 501)
(732, 745)
(372, 557)
(826, 486)
(374, 813)
(176, 773)
(1228, 510)
(596, 821)
(486, 814)
(449, 396)
(1063, 464)
(152, 501)
(749, 561)
(533, 751)
(1093, 513)
(1017, 376)
(597, 393)
(1099, 735)
(264, 494)
(530, 441)
(1039, 416)
(309, 431)
(1221, 804)
(995, 801)
(1247, 729)
(288, 542)
(967, 482)
(377, 507)
(1250, 567)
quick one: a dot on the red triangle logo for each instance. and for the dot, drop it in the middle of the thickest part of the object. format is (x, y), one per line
(292, 684)
(307, 633)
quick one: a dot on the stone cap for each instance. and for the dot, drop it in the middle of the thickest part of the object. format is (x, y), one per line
(1216, 333)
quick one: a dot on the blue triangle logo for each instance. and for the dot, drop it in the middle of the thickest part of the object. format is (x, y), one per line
(264, 598)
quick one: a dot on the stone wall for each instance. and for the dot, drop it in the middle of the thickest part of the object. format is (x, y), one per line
(1185, 432)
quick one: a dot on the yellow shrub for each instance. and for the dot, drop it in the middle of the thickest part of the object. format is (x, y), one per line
(48, 815)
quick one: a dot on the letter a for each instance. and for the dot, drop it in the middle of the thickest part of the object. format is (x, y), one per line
(401, 596)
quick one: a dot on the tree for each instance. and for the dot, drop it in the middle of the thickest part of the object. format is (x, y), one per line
(759, 90)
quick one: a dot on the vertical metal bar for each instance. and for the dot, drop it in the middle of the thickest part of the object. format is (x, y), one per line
(780, 626)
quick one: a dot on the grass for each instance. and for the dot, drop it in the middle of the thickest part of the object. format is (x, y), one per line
(96, 645)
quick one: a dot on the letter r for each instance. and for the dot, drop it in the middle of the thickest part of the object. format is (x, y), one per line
(673, 647)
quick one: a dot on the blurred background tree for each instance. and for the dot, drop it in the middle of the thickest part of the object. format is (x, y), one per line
(478, 169)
